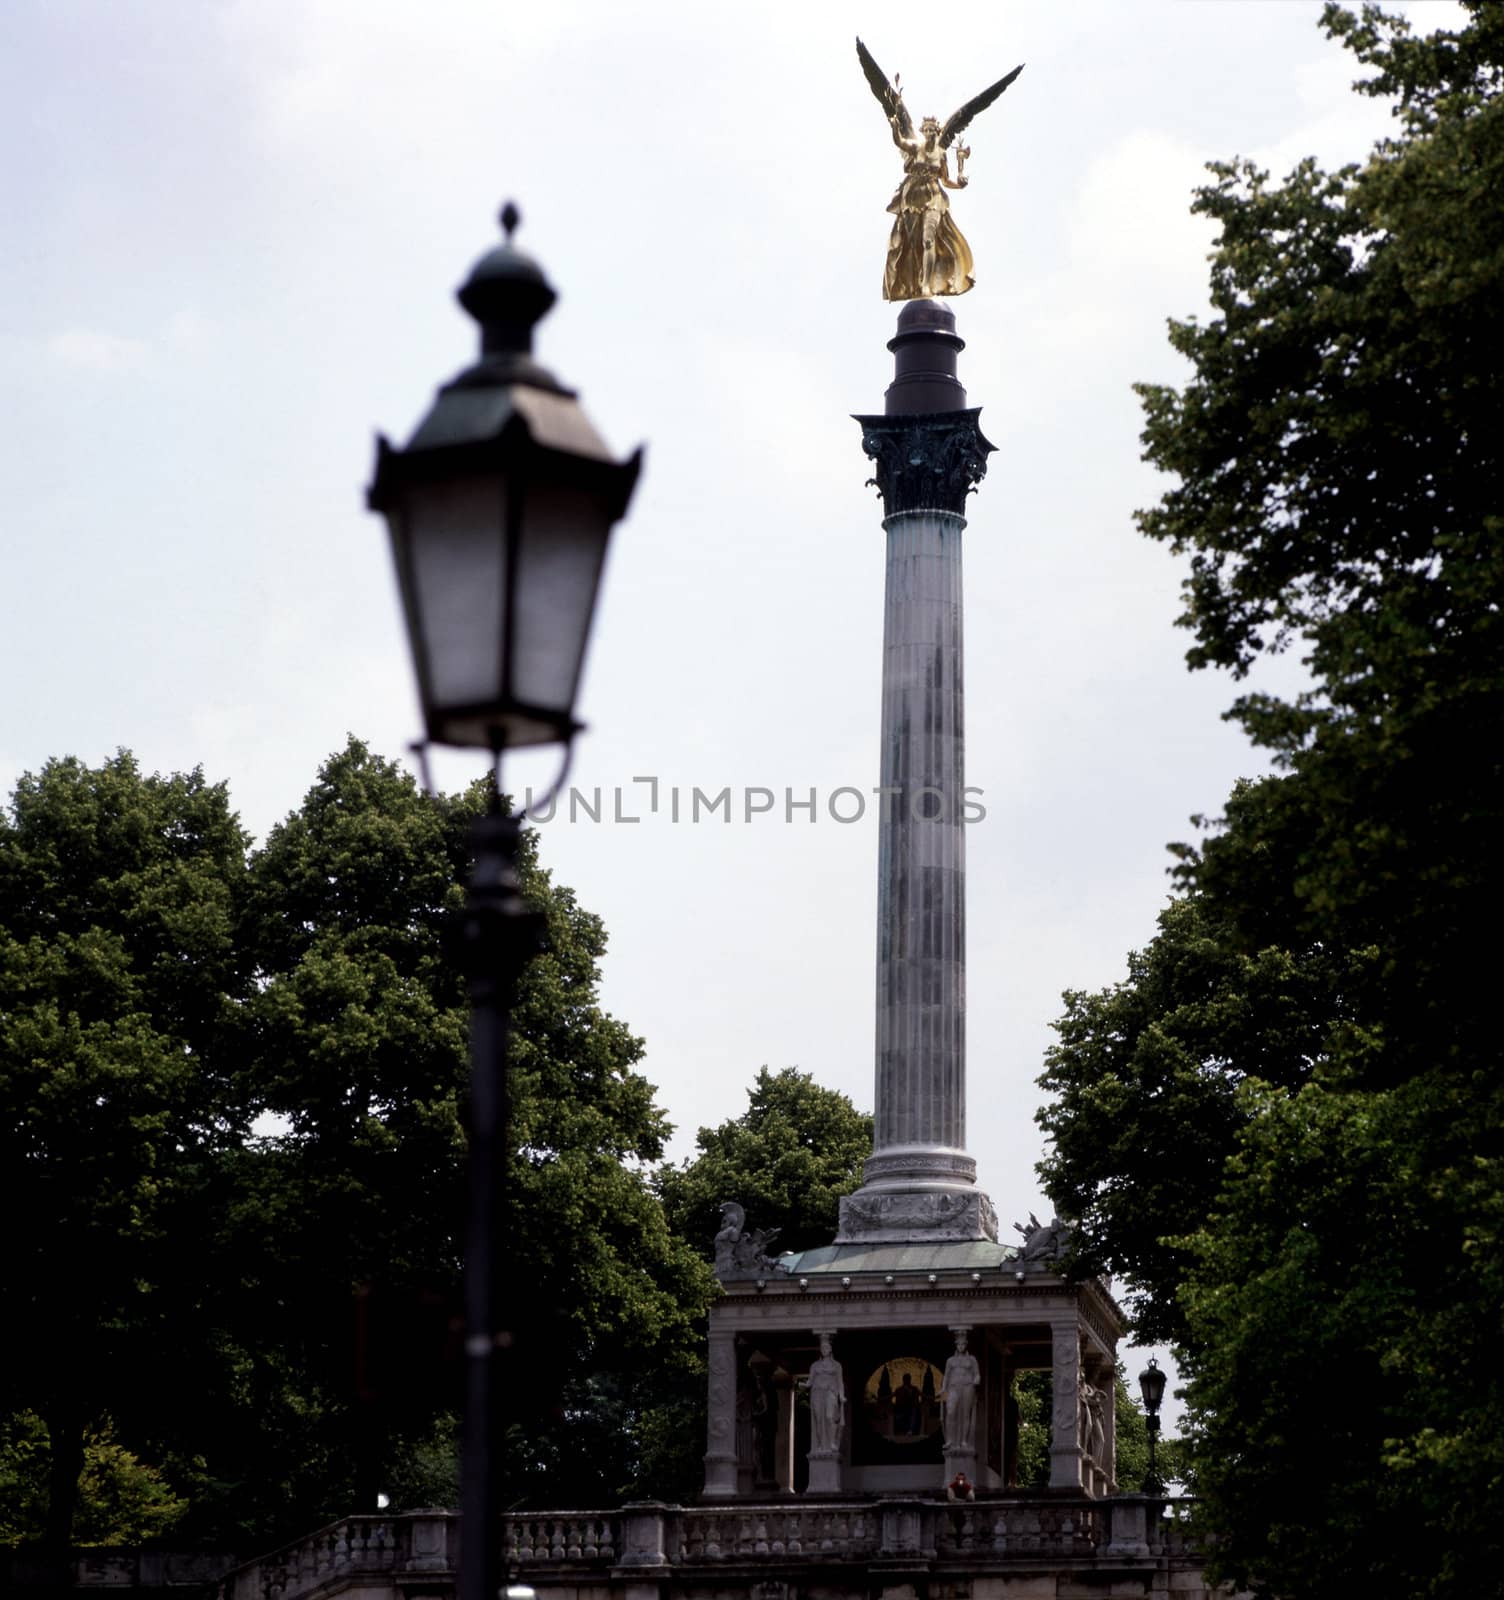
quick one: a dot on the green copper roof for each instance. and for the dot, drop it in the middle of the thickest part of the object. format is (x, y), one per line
(970, 1255)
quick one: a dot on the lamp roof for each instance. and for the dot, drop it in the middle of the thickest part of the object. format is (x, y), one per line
(506, 400)
(506, 287)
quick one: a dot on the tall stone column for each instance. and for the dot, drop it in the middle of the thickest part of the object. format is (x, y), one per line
(720, 1421)
(1065, 1417)
(929, 454)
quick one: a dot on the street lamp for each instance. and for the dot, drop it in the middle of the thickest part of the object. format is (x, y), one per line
(499, 507)
(499, 510)
(1151, 1383)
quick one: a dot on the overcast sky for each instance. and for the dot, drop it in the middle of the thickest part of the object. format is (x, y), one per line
(233, 230)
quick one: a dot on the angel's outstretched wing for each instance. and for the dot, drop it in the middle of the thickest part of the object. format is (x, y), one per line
(957, 120)
(888, 97)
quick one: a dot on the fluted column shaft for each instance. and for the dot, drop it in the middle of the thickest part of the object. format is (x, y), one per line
(921, 904)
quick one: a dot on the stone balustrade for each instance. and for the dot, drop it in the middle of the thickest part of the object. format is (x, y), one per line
(778, 1531)
(349, 1554)
(724, 1550)
(1029, 1527)
(983, 1529)
(588, 1536)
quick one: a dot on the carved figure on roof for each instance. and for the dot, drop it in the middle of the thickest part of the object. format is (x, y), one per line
(1043, 1241)
(927, 253)
(740, 1251)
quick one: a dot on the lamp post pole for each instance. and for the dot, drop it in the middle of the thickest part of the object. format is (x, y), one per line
(500, 507)
(497, 936)
(1151, 1383)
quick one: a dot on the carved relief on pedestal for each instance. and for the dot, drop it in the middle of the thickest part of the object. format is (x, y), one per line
(876, 1217)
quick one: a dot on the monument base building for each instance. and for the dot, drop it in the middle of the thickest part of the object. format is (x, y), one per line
(891, 1315)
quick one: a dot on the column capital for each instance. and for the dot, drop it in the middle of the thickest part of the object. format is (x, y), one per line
(927, 462)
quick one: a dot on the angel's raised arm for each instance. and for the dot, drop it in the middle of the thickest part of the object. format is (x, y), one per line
(959, 181)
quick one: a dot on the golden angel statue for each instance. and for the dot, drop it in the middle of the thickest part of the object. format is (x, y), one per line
(927, 254)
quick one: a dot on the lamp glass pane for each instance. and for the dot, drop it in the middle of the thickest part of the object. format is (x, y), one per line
(560, 555)
(1151, 1382)
(456, 538)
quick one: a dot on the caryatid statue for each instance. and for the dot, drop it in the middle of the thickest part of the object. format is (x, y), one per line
(927, 254)
(827, 1401)
(958, 1398)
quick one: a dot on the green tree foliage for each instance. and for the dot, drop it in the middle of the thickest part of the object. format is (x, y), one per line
(120, 1501)
(356, 1037)
(269, 1315)
(787, 1159)
(1032, 1393)
(117, 954)
(1339, 451)
(339, 1228)
(1285, 1126)
(1146, 1075)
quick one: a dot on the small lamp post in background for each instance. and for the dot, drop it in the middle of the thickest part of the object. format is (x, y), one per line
(499, 508)
(1151, 1383)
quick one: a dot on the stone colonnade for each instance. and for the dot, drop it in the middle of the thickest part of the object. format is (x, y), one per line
(761, 1360)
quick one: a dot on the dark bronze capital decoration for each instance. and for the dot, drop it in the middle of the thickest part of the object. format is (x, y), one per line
(926, 463)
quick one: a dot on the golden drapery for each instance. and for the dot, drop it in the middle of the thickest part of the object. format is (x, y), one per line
(921, 209)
